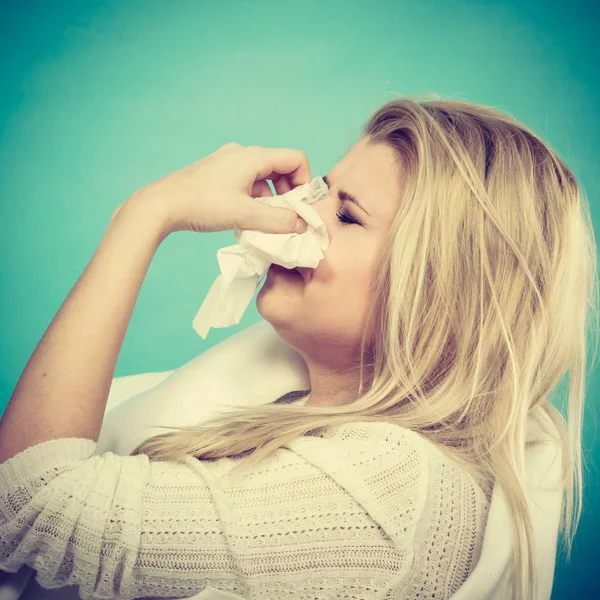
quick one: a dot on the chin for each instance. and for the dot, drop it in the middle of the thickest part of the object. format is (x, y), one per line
(275, 309)
(272, 311)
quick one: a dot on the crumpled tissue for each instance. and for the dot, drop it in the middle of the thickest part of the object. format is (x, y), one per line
(243, 264)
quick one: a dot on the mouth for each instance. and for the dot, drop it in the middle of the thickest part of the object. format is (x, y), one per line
(302, 271)
(296, 271)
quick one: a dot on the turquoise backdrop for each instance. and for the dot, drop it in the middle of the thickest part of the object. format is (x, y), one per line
(100, 98)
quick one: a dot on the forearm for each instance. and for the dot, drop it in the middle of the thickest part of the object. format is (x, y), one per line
(64, 387)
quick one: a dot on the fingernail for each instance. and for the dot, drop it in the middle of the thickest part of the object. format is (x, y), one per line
(299, 225)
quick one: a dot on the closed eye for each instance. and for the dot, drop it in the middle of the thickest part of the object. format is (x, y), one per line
(346, 218)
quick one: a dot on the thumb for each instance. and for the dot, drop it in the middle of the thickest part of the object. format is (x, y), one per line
(274, 219)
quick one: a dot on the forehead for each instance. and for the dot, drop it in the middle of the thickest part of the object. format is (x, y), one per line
(371, 173)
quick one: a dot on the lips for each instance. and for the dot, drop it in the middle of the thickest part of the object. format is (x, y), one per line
(302, 272)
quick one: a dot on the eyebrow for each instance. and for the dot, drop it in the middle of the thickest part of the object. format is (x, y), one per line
(344, 195)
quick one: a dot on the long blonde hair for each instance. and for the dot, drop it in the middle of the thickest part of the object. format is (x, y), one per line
(480, 308)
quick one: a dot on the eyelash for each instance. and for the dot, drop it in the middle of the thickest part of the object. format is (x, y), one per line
(346, 219)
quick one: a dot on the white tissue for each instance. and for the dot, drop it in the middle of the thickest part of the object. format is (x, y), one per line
(242, 265)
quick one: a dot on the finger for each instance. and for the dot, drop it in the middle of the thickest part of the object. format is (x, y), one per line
(270, 219)
(281, 183)
(261, 189)
(282, 161)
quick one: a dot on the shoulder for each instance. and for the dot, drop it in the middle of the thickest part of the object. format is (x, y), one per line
(385, 469)
(409, 456)
(365, 447)
(365, 431)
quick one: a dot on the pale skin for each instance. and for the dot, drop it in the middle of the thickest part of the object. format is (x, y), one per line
(64, 387)
(323, 314)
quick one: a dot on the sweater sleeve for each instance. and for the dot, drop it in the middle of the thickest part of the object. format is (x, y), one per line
(332, 512)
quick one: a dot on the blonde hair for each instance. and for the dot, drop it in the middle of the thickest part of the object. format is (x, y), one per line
(480, 308)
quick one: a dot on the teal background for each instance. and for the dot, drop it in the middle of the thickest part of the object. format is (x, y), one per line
(100, 98)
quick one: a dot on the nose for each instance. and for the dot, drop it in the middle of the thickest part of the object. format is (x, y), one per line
(326, 209)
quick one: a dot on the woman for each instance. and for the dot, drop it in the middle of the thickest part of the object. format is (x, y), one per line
(452, 299)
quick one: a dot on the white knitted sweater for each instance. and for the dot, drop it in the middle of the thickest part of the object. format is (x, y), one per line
(364, 510)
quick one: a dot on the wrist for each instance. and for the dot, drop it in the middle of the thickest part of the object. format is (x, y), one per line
(146, 211)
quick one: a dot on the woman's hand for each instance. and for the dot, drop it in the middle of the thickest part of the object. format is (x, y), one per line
(218, 192)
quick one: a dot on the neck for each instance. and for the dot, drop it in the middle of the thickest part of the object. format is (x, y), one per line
(333, 385)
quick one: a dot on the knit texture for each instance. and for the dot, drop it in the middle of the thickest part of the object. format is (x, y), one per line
(362, 510)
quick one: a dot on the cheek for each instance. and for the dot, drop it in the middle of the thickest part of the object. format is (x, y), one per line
(352, 262)
(338, 298)
(345, 276)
